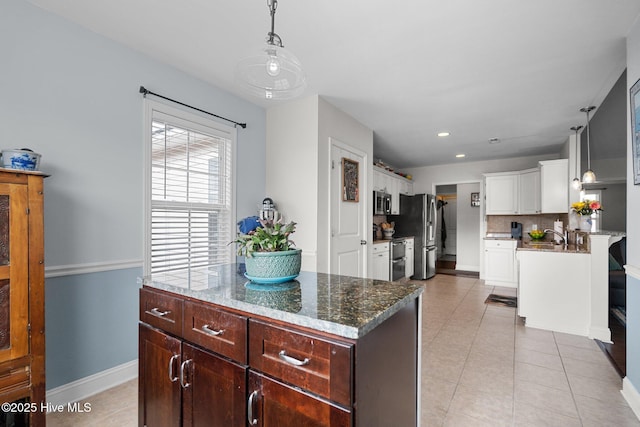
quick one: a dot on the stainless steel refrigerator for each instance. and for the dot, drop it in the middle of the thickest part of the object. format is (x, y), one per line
(418, 219)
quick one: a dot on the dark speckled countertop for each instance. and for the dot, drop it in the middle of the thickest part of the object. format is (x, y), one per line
(345, 306)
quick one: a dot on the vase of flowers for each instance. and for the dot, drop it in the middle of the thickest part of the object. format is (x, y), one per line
(585, 209)
(269, 253)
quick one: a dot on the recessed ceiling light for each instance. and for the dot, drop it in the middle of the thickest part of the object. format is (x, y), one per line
(459, 155)
(494, 141)
(443, 134)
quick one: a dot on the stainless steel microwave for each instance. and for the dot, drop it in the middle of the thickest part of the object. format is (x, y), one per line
(381, 203)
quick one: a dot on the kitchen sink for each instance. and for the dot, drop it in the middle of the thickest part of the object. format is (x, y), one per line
(541, 244)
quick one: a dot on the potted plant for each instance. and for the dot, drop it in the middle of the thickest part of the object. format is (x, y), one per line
(269, 253)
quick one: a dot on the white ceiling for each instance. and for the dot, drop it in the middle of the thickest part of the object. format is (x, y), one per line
(509, 69)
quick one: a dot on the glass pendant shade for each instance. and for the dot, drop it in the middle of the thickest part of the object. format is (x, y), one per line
(576, 184)
(589, 177)
(271, 72)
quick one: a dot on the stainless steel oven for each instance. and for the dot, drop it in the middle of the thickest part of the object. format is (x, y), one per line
(381, 203)
(397, 259)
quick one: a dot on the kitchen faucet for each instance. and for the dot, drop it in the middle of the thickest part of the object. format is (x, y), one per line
(564, 236)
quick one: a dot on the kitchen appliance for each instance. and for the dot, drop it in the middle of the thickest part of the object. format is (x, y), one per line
(516, 230)
(417, 219)
(397, 258)
(381, 203)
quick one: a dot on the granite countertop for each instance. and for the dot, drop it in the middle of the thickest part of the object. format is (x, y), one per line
(549, 246)
(384, 240)
(345, 306)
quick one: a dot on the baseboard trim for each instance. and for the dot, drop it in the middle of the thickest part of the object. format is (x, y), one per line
(93, 384)
(632, 271)
(599, 333)
(463, 267)
(94, 267)
(631, 395)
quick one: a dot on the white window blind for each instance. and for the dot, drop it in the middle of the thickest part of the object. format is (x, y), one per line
(191, 195)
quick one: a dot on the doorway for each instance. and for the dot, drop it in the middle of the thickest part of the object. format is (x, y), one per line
(458, 222)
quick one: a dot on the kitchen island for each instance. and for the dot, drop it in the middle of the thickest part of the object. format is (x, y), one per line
(565, 288)
(322, 350)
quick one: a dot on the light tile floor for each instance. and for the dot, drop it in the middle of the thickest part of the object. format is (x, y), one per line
(481, 367)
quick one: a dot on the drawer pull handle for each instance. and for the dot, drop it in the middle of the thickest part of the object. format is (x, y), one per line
(292, 360)
(252, 421)
(208, 330)
(157, 313)
(183, 376)
(173, 378)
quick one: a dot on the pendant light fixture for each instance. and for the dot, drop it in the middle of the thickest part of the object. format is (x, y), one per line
(271, 72)
(589, 176)
(576, 183)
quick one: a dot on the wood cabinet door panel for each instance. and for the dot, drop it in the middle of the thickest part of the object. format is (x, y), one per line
(14, 272)
(277, 405)
(217, 330)
(316, 364)
(161, 311)
(216, 392)
(159, 398)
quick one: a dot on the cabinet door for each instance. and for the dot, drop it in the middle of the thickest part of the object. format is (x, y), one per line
(159, 394)
(275, 404)
(214, 393)
(14, 272)
(502, 194)
(408, 266)
(530, 192)
(378, 181)
(380, 270)
(554, 186)
(499, 264)
(394, 190)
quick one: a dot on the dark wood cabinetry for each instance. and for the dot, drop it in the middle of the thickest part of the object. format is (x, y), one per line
(275, 404)
(22, 339)
(202, 364)
(183, 385)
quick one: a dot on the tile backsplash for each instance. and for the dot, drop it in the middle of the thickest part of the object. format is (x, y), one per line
(502, 223)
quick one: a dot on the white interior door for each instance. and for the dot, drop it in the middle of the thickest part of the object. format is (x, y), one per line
(348, 212)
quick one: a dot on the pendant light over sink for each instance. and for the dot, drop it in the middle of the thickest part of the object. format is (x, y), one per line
(589, 176)
(576, 183)
(271, 72)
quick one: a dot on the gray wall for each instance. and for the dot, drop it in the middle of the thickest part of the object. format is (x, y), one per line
(633, 227)
(72, 95)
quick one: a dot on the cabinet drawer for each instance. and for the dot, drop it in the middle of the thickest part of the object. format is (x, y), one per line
(500, 244)
(319, 365)
(162, 311)
(217, 330)
(380, 247)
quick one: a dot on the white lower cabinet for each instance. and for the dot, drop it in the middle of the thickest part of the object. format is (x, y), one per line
(408, 266)
(500, 268)
(380, 261)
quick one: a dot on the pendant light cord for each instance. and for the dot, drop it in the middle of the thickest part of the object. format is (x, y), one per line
(272, 37)
(588, 110)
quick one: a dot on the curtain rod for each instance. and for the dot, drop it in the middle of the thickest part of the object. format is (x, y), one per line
(146, 92)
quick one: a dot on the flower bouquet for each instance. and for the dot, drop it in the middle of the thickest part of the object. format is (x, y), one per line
(586, 207)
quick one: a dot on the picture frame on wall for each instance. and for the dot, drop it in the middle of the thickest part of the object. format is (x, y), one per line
(634, 96)
(475, 200)
(350, 184)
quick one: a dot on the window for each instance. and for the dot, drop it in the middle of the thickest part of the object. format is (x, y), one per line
(592, 195)
(190, 197)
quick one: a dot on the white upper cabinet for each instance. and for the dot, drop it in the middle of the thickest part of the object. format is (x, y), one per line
(501, 191)
(529, 192)
(392, 184)
(554, 186)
